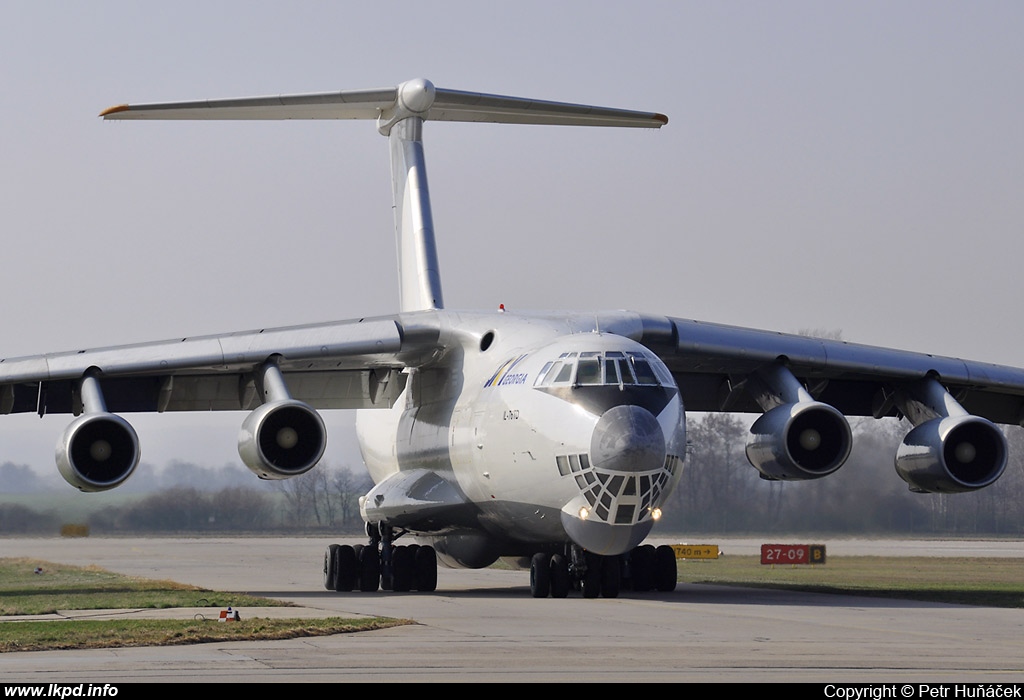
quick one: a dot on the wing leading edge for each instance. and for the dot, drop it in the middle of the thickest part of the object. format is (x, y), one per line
(711, 362)
(346, 364)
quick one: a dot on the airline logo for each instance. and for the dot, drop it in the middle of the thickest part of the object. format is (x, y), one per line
(505, 374)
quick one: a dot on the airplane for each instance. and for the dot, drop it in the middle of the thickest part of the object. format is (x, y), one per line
(552, 440)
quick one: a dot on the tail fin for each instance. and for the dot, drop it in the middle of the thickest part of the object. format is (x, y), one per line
(400, 112)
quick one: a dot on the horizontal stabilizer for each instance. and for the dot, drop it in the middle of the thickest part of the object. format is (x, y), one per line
(412, 98)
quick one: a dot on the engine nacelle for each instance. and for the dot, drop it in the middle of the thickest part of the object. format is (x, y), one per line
(952, 455)
(804, 440)
(97, 452)
(282, 439)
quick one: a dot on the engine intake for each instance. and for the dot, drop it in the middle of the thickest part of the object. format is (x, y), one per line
(804, 440)
(282, 439)
(952, 455)
(97, 452)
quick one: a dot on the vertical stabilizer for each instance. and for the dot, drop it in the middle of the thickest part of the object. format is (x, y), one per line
(400, 112)
(419, 276)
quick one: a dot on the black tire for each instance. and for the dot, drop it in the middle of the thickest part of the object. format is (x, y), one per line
(560, 583)
(665, 572)
(346, 569)
(369, 569)
(330, 565)
(425, 569)
(401, 569)
(540, 575)
(641, 566)
(611, 577)
(592, 576)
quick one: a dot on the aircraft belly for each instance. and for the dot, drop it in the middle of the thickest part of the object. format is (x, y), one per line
(525, 522)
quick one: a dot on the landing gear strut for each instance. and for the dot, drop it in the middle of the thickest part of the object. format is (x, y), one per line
(643, 569)
(380, 564)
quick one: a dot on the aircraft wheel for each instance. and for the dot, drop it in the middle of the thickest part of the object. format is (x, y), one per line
(560, 583)
(540, 575)
(642, 568)
(592, 576)
(425, 569)
(369, 569)
(346, 569)
(330, 565)
(401, 569)
(611, 577)
(665, 572)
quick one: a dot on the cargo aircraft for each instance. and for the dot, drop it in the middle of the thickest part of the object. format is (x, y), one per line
(549, 439)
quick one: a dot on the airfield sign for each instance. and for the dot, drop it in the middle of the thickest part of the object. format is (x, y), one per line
(792, 554)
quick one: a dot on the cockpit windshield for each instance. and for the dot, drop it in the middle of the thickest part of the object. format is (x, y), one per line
(606, 368)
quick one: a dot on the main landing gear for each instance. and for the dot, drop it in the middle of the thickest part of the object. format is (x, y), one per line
(645, 568)
(380, 564)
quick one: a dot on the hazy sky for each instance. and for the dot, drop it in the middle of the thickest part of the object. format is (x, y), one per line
(839, 166)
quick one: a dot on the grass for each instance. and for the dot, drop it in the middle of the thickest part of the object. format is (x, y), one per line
(109, 634)
(992, 582)
(56, 587)
(60, 587)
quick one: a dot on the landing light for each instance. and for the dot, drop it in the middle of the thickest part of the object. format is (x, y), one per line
(584, 513)
(656, 514)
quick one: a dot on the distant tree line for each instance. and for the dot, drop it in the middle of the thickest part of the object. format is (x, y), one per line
(325, 498)
(720, 492)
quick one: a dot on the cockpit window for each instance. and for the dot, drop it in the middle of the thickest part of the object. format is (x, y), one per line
(588, 372)
(611, 376)
(564, 374)
(611, 368)
(644, 373)
(625, 371)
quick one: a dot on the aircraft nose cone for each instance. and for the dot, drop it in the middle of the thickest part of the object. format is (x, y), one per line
(628, 439)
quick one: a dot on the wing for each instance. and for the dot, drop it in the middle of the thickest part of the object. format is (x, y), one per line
(805, 386)
(344, 364)
(280, 375)
(712, 361)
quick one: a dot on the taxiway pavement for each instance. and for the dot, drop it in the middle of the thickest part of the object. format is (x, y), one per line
(484, 626)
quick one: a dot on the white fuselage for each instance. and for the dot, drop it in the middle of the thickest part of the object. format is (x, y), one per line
(549, 435)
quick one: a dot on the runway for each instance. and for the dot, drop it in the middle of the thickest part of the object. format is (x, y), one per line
(484, 626)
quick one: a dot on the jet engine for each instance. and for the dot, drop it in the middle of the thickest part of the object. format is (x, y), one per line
(282, 439)
(952, 455)
(804, 440)
(97, 452)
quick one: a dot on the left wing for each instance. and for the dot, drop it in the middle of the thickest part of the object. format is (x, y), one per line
(805, 386)
(280, 375)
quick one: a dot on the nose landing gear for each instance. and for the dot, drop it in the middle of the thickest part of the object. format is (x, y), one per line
(645, 568)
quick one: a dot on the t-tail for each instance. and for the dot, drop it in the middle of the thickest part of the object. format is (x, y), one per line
(400, 112)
